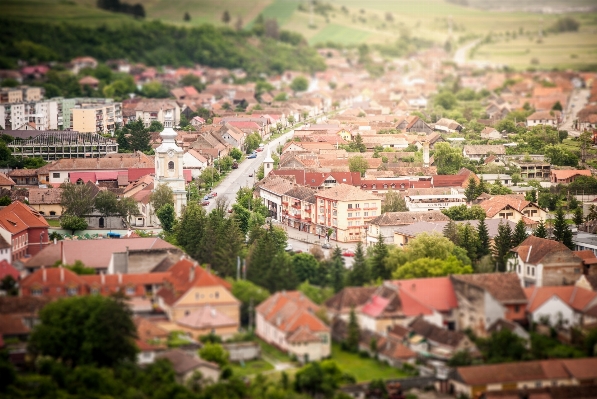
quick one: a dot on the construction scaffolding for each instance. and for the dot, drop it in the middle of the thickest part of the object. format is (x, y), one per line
(63, 144)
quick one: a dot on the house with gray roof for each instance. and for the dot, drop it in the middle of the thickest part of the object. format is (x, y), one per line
(387, 223)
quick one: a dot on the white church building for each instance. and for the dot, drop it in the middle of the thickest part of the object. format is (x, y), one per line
(169, 167)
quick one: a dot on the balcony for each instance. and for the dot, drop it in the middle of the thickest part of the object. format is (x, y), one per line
(297, 205)
(307, 219)
(284, 202)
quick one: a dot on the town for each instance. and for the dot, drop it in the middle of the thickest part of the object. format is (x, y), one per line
(415, 229)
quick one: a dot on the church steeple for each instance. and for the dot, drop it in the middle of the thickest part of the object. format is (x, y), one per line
(268, 163)
(169, 169)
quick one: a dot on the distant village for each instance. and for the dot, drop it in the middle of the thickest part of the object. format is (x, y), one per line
(365, 163)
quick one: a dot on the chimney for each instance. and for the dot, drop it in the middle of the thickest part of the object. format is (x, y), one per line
(44, 276)
(102, 278)
(55, 241)
(426, 154)
(62, 251)
(119, 278)
(192, 273)
(61, 273)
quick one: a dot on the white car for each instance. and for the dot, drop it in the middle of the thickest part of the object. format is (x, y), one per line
(288, 248)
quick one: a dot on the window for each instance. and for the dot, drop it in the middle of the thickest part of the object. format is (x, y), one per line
(217, 294)
(36, 291)
(374, 213)
(357, 205)
(71, 291)
(532, 271)
(130, 290)
(365, 214)
(56, 175)
(349, 224)
(350, 215)
(517, 308)
(366, 205)
(349, 206)
(171, 165)
(358, 214)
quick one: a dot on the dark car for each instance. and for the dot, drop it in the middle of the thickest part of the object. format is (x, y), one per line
(252, 156)
(204, 203)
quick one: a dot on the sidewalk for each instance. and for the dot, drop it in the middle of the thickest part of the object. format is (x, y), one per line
(313, 238)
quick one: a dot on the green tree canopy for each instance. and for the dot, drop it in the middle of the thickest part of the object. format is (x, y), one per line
(358, 164)
(449, 160)
(393, 202)
(246, 291)
(85, 330)
(161, 196)
(300, 83)
(77, 199)
(73, 223)
(462, 212)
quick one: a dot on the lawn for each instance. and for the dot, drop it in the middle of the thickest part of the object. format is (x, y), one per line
(53, 222)
(281, 10)
(363, 369)
(251, 368)
(339, 34)
(273, 352)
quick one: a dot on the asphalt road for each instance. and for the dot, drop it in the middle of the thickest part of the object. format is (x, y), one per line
(577, 102)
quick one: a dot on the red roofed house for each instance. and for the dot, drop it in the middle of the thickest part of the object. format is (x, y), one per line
(472, 381)
(484, 299)
(198, 302)
(569, 305)
(6, 269)
(541, 262)
(24, 228)
(288, 321)
(513, 207)
(53, 282)
(567, 176)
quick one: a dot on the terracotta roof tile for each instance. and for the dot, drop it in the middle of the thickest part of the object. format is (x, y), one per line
(17, 217)
(534, 249)
(505, 287)
(345, 192)
(576, 297)
(206, 317)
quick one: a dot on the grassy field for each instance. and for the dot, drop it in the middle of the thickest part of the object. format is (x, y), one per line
(339, 34)
(565, 50)
(251, 368)
(273, 352)
(363, 369)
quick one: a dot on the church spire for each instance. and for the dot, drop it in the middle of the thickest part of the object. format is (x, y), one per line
(268, 163)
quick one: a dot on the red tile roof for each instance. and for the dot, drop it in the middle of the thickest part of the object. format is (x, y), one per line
(504, 287)
(576, 297)
(435, 292)
(534, 249)
(6, 269)
(18, 217)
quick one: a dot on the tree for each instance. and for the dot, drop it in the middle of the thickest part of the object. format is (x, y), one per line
(462, 212)
(300, 83)
(305, 266)
(566, 24)
(430, 267)
(470, 192)
(578, 217)
(236, 154)
(483, 235)
(167, 217)
(557, 106)
(357, 144)
(451, 232)
(189, 231)
(106, 203)
(156, 126)
(128, 207)
(214, 353)
(77, 199)
(448, 160)
(358, 164)
(186, 17)
(379, 254)
(502, 244)
(353, 333)
(540, 231)
(9, 285)
(134, 136)
(337, 270)
(319, 379)
(461, 358)
(72, 223)
(209, 176)
(161, 196)
(393, 202)
(85, 330)
(469, 240)
(586, 141)
(531, 196)
(445, 99)
(248, 294)
(502, 346)
(226, 17)
(317, 294)
(520, 233)
(359, 274)
(561, 229)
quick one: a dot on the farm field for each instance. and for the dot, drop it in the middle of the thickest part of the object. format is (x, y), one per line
(363, 369)
(572, 50)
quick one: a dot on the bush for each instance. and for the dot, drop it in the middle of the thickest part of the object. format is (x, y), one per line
(364, 354)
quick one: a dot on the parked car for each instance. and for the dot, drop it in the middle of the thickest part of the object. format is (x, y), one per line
(250, 174)
(348, 253)
(288, 247)
(252, 156)
(326, 245)
(259, 149)
(234, 165)
(213, 194)
(206, 198)
(229, 210)
(204, 203)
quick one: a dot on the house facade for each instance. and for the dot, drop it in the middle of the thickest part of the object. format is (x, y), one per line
(287, 320)
(24, 228)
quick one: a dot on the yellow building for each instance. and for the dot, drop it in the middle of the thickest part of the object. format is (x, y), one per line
(344, 211)
(46, 201)
(198, 302)
(98, 118)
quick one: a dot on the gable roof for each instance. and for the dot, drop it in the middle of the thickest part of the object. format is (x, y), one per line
(576, 297)
(18, 217)
(434, 292)
(434, 333)
(505, 287)
(6, 269)
(402, 218)
(182, 362)
(345, 192)
(566, 174)
(534, 249)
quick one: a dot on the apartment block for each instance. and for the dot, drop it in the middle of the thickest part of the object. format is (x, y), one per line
(97, 118)
(345, 210)
(20, 94)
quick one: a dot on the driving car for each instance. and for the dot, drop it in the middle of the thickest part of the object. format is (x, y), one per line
(348, 253)
(252, 156)
(326, 245)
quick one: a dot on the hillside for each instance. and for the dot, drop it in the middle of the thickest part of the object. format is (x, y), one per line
(347, 22)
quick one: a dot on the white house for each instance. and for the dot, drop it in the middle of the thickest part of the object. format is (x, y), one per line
(424, 203)
(550, 118)
(566, 305)
(287, 320)
(195, 162)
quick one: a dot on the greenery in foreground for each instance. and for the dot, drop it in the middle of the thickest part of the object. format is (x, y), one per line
(155, 43)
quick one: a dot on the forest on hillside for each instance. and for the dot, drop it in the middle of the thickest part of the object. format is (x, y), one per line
(155, 43)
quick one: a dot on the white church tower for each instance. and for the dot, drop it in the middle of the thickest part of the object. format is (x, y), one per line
(168, 167)
(268, 163)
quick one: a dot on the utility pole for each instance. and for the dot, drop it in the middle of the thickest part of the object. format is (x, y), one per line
(251, 315)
